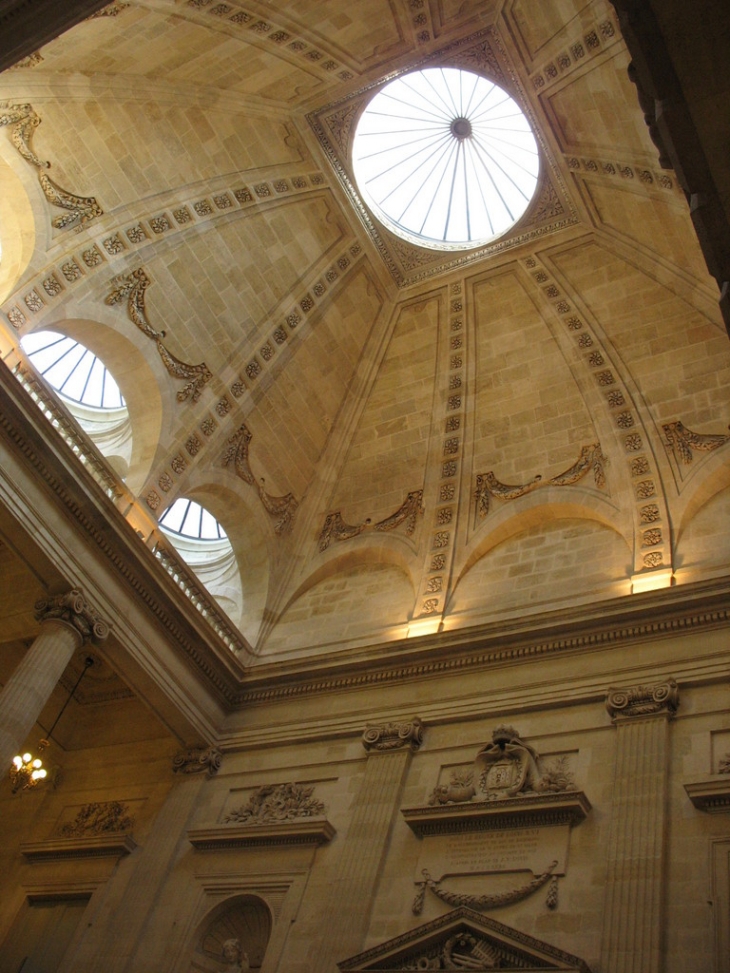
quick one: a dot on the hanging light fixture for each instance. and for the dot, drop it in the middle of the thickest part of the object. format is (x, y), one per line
(27, 771)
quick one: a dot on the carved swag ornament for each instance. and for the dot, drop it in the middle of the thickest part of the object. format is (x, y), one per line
(335, 528)
(283, 507)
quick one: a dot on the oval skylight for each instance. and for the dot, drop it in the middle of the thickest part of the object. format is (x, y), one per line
(72, 370)
(445, 158)
(187, 518)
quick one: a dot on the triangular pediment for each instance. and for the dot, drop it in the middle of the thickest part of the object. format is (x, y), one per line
(463, 939)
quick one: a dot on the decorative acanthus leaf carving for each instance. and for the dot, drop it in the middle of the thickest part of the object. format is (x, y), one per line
(109, 817)
(661, 699)
(591, 458)
(683, 441)
(486, 900)
(277, 802)
(237, 452)
(197, 760)
(132, 289)
(335, 528)
(393, 736)
(25, 120)
(73, 609)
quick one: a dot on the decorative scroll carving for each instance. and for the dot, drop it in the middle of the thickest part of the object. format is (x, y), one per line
(132, 288)
(73, 609)
(25, 120)
(335, 529)
(724, 766)
(237, 452)
(484, 901)
(277, 802)
(393, 736)
(683, 441)
(505, 768)
(660, 699)
(591, 458)
(197, 761)
(109, 817)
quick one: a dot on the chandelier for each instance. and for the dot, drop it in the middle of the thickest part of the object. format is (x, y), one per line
(28, 771)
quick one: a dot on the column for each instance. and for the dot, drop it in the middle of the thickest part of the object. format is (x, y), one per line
(67, 622)
(632, 924)
(389, 747)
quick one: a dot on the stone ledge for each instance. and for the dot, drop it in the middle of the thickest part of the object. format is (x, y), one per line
(300, 832)
(711, 795)
(95, 846)
(542, 810)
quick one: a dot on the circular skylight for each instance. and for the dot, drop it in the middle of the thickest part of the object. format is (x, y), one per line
(72, 370)
(186, 518)
(445, 158)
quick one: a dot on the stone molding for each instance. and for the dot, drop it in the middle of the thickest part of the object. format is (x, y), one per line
(540, 810)
(301, 831)
(386, 737)
(92, 846)
(661, 699)
(711, 795)
(73, 610)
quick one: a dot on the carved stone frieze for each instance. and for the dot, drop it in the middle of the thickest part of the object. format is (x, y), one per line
(277, 802)
(684, 443)
(198, 760)
(73, 609)
(237, 453)
(661, 699)
(393, 736)
(591, 459)
(485, 900)
(132, 289)
(109, 817)
(335, 528)
(79, 209)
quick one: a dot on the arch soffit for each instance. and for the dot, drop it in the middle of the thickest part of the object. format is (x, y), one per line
(710, 478)
(135, 378)
(548, 506)
(388, 552)
(20, 215)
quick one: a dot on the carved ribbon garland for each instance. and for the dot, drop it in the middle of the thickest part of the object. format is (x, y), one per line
(237, 453)
(591, 458)
(133, 287)
(335, 529)
(25, 121)
(479, 901)
(684, 441)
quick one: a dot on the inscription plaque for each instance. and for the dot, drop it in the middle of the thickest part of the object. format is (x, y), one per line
(508, 850)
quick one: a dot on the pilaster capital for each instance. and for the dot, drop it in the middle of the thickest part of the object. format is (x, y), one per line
(661, 699)
(197, 760)
(382, 737)
(73, 610)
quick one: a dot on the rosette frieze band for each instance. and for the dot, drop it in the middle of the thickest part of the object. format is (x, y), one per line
(393, 736)
(72, 609)
(661, 699)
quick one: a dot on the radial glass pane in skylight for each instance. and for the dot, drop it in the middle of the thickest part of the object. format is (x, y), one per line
(72, 370)
(189, 519)
(445, 158)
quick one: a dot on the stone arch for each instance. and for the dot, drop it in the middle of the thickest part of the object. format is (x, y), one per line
(17, 229)
(246, 918)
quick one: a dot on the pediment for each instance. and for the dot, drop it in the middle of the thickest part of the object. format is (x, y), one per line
(463, 939)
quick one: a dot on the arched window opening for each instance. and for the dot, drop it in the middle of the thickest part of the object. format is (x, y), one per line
(88, 390)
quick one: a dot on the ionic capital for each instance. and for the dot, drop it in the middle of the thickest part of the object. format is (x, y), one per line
(73, 610)
(661, 699)
(393, 736)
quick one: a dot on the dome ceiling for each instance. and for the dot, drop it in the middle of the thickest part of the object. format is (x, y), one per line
(395, 439)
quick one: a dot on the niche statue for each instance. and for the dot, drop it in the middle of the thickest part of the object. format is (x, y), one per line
(234, 957)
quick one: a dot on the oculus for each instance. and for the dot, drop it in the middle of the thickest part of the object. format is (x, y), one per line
(445, 158)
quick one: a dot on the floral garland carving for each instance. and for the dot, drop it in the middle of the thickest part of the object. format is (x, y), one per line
(683, 441)
(237, 453)
(591, 458)
(277, 802)
(109, 817)
(486, 901)
(25, 120)
(133, 287)
(335, 528)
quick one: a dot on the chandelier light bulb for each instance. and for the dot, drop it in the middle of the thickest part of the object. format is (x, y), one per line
(18, 761)
(26, 758)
